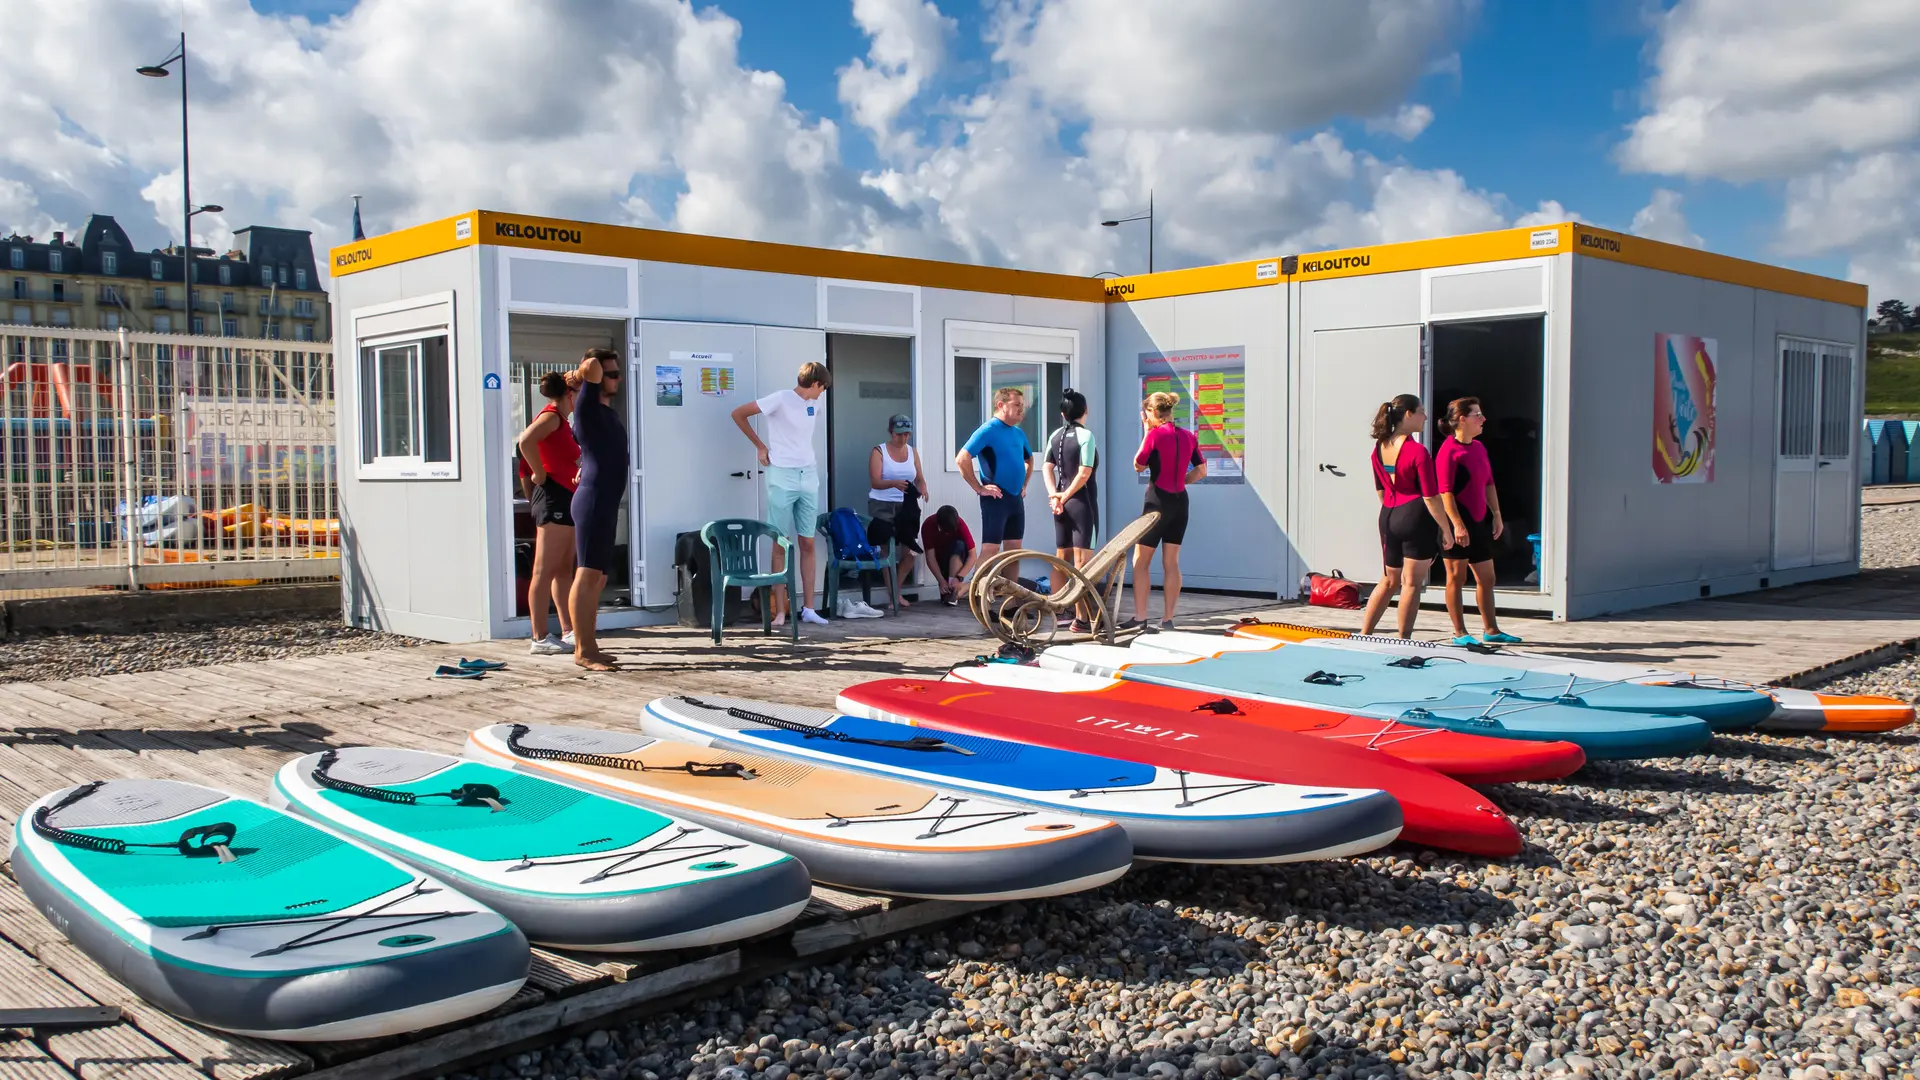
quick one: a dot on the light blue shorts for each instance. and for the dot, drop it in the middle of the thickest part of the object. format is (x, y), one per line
(793, 499)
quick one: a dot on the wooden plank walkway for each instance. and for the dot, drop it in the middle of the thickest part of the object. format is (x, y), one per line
(232, 725)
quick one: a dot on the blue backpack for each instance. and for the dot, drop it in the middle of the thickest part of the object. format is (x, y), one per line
(849, 536)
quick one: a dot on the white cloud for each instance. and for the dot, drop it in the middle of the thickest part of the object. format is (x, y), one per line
(1750, 89)
(1823, 96)
(641, 111)
(1227, 67)
(1406, 124)
(908, 45)
(1662, 219)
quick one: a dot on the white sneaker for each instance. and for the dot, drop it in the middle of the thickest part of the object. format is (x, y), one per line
(847, 608)
(864, 610)
(567, 640)
(808, 615)
(548, 646)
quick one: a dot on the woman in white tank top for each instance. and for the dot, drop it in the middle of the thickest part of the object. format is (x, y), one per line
(890, 468)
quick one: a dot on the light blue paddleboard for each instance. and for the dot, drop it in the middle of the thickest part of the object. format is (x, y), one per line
(1369, 684)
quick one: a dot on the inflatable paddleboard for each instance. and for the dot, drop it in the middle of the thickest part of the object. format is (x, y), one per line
(570, 868)
(861, 832)
(1793, 709)
(1438, 812)
(1476, 760)
(1171, 815)
(1723, 710)
(236, 916)
(1430, 696)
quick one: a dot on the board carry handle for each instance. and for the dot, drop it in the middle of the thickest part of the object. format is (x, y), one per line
(215, 838)
(924, 743)
(465, 795)
(1330, 678)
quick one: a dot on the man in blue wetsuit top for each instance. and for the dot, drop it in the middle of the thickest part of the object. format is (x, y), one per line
(1006, 462)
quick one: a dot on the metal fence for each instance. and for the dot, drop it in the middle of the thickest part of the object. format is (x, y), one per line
(148, 461)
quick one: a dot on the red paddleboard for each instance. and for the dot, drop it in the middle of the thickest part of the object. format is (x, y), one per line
(1471, 759)
(1439, 812)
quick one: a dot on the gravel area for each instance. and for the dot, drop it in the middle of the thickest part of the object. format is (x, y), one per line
(1752, 912)
(69, 656)
(1889, 536)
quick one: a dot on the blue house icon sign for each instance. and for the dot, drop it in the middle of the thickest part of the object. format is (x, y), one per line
(492, 381)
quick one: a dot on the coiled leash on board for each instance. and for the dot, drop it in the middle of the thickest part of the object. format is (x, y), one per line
(1219, 707)
(1330, 678)
(608, 761)
(922, 743)
(199, 841)
(464, 795)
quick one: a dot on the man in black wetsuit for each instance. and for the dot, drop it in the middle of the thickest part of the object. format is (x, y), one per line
(604, 466)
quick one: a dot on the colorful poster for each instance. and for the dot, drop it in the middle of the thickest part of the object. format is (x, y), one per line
(1212, 384)
(666, 385)
(1685, 378)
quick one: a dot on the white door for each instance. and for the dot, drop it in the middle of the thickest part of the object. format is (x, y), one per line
(1835, 501)
(693, 465)
(780, 352)
(1350, 373)
(1814, 466)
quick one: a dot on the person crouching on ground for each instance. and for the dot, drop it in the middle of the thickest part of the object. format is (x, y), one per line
(948, 547)
(793, 481)
(1001, 446)
(550, 465)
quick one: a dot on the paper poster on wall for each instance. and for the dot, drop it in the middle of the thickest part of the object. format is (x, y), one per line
(1685, 377)
(715, 371)
(1212, 384)
(666, 384)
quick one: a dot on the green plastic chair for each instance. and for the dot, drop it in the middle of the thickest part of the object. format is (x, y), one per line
(734, 544)
(835, 565)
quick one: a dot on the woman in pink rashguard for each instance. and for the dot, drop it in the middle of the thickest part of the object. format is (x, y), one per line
(1473, 514)
(1410, 511)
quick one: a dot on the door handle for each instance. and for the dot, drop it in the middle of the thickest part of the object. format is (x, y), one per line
(743, 472)
(1334, 469)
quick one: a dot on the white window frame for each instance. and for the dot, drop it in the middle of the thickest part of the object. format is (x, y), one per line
(110, 262)
(414, 467)
(56, 262)
(18, 259)
(153, 266)
(1060, 342)
(167, 329)
(226, 274)
(300, 278)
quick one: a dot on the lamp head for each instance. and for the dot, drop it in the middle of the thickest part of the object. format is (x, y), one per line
(1110, 224)
(210, 208)
(153, 71)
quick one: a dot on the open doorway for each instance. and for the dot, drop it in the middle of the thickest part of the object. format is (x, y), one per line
(536, 345)
(1503, 363)
(872, 382)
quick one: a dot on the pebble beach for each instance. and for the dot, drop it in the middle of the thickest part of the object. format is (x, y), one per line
(1748, 911)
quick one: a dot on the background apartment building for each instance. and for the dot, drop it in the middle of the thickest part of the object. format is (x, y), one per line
(266, 287)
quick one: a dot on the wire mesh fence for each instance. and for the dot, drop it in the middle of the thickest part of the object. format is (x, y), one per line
(159, 461)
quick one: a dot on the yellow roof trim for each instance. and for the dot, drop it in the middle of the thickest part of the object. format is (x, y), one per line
(620, 241)
(1655, 255)
(1498, 246)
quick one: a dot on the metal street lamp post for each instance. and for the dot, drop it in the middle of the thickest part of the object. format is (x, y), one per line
(188, 210)
(1146, 217)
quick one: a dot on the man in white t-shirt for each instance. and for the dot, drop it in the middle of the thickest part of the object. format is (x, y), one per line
(793, 481)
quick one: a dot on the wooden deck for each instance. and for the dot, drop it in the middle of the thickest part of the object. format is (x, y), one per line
(233, 725)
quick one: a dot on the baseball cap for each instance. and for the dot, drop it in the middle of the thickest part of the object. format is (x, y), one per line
(900, 422)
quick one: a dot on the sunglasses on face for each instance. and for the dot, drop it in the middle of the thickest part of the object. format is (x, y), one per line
(613, 374)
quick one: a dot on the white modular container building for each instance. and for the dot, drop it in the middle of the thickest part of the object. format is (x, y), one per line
(444, 329)
(1668, 423)
(1664, 423)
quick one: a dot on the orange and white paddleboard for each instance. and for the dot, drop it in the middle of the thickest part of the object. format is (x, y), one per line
(1793, 709)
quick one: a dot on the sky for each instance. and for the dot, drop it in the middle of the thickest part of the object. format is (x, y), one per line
(993, 131)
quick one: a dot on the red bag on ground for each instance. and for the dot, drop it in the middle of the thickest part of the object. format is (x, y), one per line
(1331, 590)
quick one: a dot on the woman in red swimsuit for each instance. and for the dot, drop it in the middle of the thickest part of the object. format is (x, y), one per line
(550, 469)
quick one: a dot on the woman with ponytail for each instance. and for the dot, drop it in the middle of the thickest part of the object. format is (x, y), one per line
(1410, 511)
(1473, 517)
(1170, 455)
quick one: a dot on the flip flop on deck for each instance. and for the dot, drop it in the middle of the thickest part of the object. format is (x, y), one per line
(482, 665)
(448, 671)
